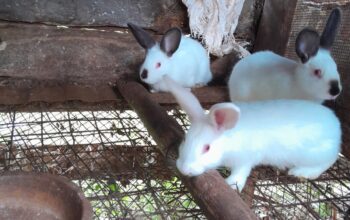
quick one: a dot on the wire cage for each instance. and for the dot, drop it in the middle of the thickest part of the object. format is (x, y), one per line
(279, 196)
(108, 154)
(113, 159)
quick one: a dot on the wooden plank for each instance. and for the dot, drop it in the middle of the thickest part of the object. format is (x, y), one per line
(207, 96)
(275, 24)
(156, 14)
(25, 99)
(55, 56)
(215, 197)
(55, 94)
(40, 63)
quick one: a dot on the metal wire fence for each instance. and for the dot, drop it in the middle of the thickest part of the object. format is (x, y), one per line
(108, 154)
(113, 159)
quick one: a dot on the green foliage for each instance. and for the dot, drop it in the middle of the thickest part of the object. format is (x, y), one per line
(149, 201)
(113, 187)
(325, 210)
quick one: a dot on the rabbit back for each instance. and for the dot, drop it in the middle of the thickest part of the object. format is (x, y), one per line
(285, 134)
(190, 64)
(262, 75)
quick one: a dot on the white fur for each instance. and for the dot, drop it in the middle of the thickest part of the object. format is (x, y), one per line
(302, 136)
(188, 66)
(266, 75)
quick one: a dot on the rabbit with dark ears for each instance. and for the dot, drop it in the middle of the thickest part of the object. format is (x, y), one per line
(266, 75)
(181, 58)
(299, 135)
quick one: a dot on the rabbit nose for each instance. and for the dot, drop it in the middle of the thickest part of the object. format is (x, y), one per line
(334, 87)
(144, 74)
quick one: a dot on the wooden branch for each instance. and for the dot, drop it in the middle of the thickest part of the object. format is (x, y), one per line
(156, 14)
(212, 194)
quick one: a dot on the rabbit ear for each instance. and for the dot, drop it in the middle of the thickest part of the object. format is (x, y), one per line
(224, 116)
(142, 37)
(307, 44)
(188, 102)
(171, 41)
(331, 29)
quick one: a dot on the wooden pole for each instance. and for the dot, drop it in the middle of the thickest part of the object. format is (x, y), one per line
(210, 191)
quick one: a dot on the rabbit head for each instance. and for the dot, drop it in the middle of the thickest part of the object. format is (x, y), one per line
(318, 71)
(200, 149)
(158, 55)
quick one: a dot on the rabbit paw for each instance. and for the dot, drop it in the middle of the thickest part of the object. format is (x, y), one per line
(153, 91)
(238, 177)
(198, 85)
(236, 182)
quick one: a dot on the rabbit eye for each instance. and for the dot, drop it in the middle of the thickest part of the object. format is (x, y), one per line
(206, 148)
(158, 65)
(318, 73)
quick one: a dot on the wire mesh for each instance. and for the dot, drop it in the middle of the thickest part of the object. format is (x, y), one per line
(279, 196)
(112, 158)
(110, 155)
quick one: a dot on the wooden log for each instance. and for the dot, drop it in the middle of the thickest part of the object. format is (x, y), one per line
(156, 14)
(212, 194)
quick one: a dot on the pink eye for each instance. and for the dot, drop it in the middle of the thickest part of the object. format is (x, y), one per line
(318, 73)
(158, 65)
(206, 148)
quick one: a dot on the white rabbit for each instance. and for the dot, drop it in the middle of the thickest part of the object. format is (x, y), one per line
(300, 135)
(266, 75)
(183, 59)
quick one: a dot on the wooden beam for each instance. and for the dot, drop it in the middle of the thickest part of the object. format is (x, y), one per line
(212, 194)
(156, 14)
(35, 55)
(275, 25)
(80, 97)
